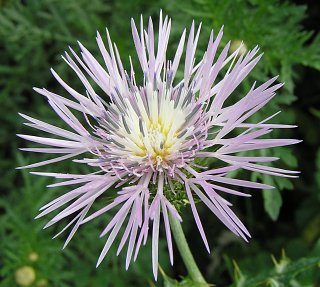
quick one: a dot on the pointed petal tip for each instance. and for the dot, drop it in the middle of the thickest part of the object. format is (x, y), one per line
(35, 172)
(46, 226)
(155, 275)
(245, 239)
(81, 45)
(99, 262)
(38, 90)
(266, 186)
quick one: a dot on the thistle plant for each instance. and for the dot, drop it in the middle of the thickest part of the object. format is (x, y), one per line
(144, 138)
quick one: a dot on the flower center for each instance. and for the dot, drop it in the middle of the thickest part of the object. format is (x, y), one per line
(158, 134)
(152, 127)
(158, 144)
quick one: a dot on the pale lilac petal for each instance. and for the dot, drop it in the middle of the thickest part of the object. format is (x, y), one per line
(112, 237)
(76, 226)
(168, 231)
(155, 241)
(45, 162)
(218, 211)
(196, 216)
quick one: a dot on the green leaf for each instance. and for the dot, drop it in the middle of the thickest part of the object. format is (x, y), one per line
(169, 282)
(185, 282)
(283, 273)
(272, 199)
(315, 112)
(284, 183)
(272, 202)
(288, 157)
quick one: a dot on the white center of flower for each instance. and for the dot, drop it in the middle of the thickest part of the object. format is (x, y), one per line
(154, 128)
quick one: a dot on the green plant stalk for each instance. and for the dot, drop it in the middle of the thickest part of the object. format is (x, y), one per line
(185, 252)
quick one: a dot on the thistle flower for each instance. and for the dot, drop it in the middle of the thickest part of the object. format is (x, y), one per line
(143, 137)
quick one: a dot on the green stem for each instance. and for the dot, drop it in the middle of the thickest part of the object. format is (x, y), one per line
(185, 252)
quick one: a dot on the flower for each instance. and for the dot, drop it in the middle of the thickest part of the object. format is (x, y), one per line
(143, 138)
(33, 256)
(25, 276)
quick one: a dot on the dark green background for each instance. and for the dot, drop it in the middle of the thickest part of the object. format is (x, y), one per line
(33, 35)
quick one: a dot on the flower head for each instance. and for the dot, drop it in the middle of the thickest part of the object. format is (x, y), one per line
(143, 137)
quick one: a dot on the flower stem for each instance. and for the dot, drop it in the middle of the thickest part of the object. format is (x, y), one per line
(185, 252)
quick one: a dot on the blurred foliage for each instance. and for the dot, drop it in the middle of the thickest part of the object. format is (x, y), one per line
(283, 273)
(33, 35)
